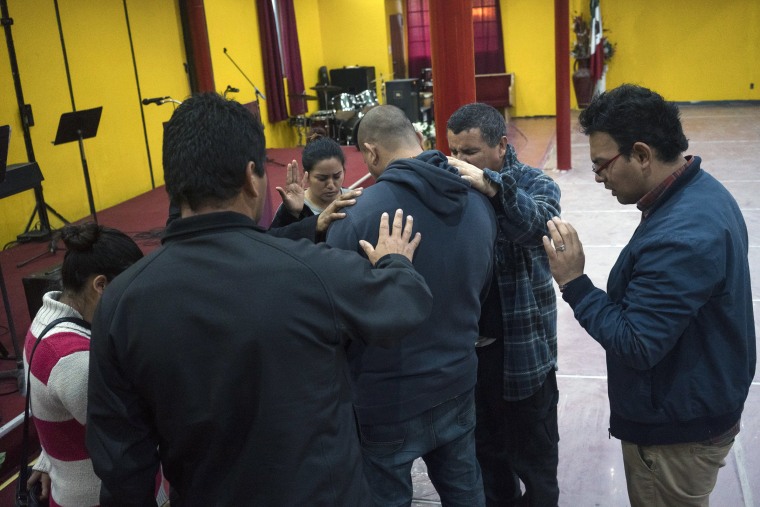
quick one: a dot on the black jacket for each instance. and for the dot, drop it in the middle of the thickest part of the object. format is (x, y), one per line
(223, 353)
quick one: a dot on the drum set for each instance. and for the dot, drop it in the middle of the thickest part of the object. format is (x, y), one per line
(340, 122)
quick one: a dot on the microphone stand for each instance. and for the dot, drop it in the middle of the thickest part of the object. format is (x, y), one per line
(258, 92)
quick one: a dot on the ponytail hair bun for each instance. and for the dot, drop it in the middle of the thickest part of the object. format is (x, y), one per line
(80, 238)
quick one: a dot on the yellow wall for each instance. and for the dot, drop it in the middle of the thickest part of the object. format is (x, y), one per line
(688, 50)
(355, 32)
(308, 20)
(233, 24)
(528, 27)
(102, 74)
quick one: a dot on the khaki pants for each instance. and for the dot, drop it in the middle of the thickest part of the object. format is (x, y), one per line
(673, 475)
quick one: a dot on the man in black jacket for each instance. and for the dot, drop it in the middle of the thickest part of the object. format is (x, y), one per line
(222, 355)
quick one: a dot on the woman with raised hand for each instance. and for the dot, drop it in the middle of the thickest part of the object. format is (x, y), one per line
(321, 185)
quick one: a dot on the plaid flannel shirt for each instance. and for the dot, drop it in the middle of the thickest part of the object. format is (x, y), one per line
(526, 200)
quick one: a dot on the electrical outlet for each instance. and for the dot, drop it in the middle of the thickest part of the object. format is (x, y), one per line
(752, 86)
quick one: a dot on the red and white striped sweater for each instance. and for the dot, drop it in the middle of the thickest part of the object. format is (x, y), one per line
(59, 403)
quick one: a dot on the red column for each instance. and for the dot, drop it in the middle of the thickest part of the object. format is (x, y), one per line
(196, 20)
(453, 61)
(562, 72)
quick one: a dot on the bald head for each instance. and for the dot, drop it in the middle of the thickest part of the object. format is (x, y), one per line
(389, 127)
(386, 134)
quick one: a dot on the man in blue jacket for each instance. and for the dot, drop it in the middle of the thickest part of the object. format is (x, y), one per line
(676, 320)
(416, 399)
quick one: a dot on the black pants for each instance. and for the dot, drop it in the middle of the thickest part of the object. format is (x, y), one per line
(515, 440)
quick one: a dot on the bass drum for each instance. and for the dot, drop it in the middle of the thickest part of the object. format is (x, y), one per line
(348, 128)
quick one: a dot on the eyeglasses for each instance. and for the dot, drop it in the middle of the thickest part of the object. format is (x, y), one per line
(598, 169)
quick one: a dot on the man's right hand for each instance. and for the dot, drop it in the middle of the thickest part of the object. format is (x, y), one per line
(333, 212)
(475, 176)
(397, 240)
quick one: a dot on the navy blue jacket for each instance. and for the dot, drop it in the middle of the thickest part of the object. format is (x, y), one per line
(677, 320)
(437, 361)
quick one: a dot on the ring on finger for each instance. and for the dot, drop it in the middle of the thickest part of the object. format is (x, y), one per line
(561, 247)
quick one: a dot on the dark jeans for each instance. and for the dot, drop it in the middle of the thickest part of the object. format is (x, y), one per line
(444, 437)
(516, 440)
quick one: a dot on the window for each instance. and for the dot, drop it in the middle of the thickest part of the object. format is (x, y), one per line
(488, 40)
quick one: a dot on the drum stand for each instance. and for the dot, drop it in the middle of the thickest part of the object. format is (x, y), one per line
(299, 122)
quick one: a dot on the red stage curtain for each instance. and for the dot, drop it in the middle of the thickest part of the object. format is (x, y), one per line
(489, 46)
(291, 55)
(418, 37)
(270, 53)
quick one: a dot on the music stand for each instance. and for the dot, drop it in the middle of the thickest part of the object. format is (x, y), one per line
(78, 126)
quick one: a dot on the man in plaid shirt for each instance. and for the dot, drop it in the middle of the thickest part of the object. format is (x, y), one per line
(516, 396)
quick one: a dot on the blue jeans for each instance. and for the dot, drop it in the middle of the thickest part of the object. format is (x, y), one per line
(444, 437)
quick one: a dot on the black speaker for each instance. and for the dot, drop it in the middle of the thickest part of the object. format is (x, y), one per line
(402, 93)
(353, 80)
(37, 284)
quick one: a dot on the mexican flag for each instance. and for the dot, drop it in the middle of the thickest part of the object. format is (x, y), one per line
(596, 42)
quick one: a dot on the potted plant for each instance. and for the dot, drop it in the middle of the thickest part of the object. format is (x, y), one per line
(581, 52)
(582, 82)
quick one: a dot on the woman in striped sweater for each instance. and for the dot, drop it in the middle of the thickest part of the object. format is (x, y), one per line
(59, 367)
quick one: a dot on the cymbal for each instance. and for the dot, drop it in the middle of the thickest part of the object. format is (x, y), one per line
(303, 96)
(326, 88)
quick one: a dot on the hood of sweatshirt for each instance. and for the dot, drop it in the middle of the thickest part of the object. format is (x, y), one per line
(431, 177)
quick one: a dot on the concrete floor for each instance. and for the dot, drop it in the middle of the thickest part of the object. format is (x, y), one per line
(727, 137)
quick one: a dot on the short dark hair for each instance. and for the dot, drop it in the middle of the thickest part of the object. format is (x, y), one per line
(320, 148)
(208, 143)
(632, 113)
(93, 249)
(481, 116)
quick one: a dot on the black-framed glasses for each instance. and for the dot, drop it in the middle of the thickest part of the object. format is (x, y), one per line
(598, 169)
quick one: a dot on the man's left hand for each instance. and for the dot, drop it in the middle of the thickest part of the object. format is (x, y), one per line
(565, 251)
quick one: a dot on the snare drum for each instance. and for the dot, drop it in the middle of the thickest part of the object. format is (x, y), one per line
(298, 121)
(324, 122)
(344, 102)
